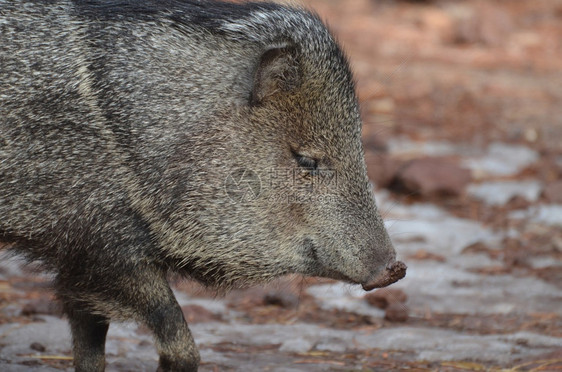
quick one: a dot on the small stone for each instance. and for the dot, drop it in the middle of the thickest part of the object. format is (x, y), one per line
(432, 176)
(475, 248)
(30, 362)
(396, 312)
(383, 298)
(37, 347)
(518, 202)
(281, 299)
(146, 343)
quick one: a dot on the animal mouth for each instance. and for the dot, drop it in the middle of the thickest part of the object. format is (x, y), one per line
(319, 268)
(393, 273)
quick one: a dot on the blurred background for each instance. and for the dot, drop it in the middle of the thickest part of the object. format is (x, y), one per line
(462, 109)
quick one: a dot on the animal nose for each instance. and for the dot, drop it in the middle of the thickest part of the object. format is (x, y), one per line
(395, 271)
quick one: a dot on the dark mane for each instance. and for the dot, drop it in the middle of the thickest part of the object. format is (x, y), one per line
(208, 14)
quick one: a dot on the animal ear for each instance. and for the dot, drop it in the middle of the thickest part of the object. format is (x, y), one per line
(278, 70)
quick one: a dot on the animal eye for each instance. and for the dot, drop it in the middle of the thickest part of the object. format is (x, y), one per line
(306, 162)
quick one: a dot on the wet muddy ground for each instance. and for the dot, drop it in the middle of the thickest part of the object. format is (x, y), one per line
(462, 102)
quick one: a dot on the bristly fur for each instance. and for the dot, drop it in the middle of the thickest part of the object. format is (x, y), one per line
(121, 123)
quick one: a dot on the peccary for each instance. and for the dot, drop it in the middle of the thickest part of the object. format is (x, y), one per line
(215, 140)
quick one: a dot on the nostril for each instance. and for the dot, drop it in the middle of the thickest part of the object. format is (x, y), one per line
(397, 269)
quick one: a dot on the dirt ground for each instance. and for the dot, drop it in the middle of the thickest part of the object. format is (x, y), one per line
(462, 109)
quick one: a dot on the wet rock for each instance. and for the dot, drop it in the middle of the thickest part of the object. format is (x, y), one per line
(501, 159)
(432, 177)
(501, 192)
(550, 215)
(383, 298)
(396, 312)
(335, 346)
(544, 262)
(37, 346)
(298, 345)
(423, 226)
(553, 192)
(432, 286)
(30, 363)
